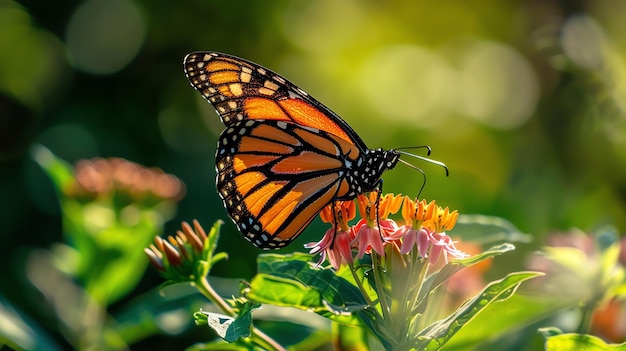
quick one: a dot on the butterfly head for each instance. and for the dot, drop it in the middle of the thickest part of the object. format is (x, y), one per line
(366, 172)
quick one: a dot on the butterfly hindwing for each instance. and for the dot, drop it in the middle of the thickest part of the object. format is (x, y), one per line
(274, 181)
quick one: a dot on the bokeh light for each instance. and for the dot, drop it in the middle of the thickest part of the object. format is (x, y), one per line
(408, 83)
(32, 66)
(103, 36)
(498, 87)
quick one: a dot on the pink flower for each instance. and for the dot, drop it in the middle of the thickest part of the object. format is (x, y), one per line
(415, 238)
(368, 238)
(441, 243)
(374, 210)
(425, 228)
(336, 243)
(336, 246)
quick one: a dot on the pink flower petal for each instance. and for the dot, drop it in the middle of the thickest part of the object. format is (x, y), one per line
(410, 240)
(423, 242)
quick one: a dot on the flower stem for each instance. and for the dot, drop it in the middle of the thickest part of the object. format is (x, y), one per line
(382, 297)
(256, 335)
(585, 320)
(407, 297)
(360, 285)
(207, 290)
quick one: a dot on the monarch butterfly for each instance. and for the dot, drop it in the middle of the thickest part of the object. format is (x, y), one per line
(283, 156)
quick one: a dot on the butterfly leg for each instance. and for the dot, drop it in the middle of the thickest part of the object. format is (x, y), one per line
(335, 222)
(379, 191)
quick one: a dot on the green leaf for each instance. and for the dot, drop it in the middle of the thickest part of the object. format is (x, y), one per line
(350, 338)
(240, 328)
(229, 328)
(437, 334)
(491, 252)
(435, 280)
(222, 324)
(484, 230)
(290, 280)
(512, 318)
(19, 332)
(572, 341)
(112, 262)
(210, 244)
(208, 251)
(61, 173)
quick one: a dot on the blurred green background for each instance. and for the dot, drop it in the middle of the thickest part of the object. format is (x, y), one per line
(523, 100)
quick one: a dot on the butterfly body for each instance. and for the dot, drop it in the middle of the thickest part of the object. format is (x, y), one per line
(283, 155)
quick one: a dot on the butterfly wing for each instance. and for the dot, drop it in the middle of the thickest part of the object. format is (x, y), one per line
(274, 177)
(242, 90)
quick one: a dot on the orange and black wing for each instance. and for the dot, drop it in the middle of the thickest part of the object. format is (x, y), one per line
(274, 177)
(242, 90)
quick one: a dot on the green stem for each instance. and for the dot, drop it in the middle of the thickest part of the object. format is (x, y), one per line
(382, 328)
(420, 285)
(585, 320)
(360, 285)
(259, 338)
(407, 297)
(382, 297)
(420, 278)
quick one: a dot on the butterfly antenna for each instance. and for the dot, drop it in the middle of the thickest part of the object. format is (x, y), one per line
(429, 160)
(438, 163)
(419, 170)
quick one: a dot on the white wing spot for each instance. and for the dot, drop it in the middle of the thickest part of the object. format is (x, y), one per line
(236, 89)
(270, 85)
(266, 91)
(245, 76)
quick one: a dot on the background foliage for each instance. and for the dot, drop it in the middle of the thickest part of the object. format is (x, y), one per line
(523, 100)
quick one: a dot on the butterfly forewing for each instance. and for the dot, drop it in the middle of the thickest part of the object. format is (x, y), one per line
(242, 90)
(283, 155)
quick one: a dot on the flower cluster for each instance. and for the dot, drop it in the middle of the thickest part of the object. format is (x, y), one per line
(99, 177)
(423, 231)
